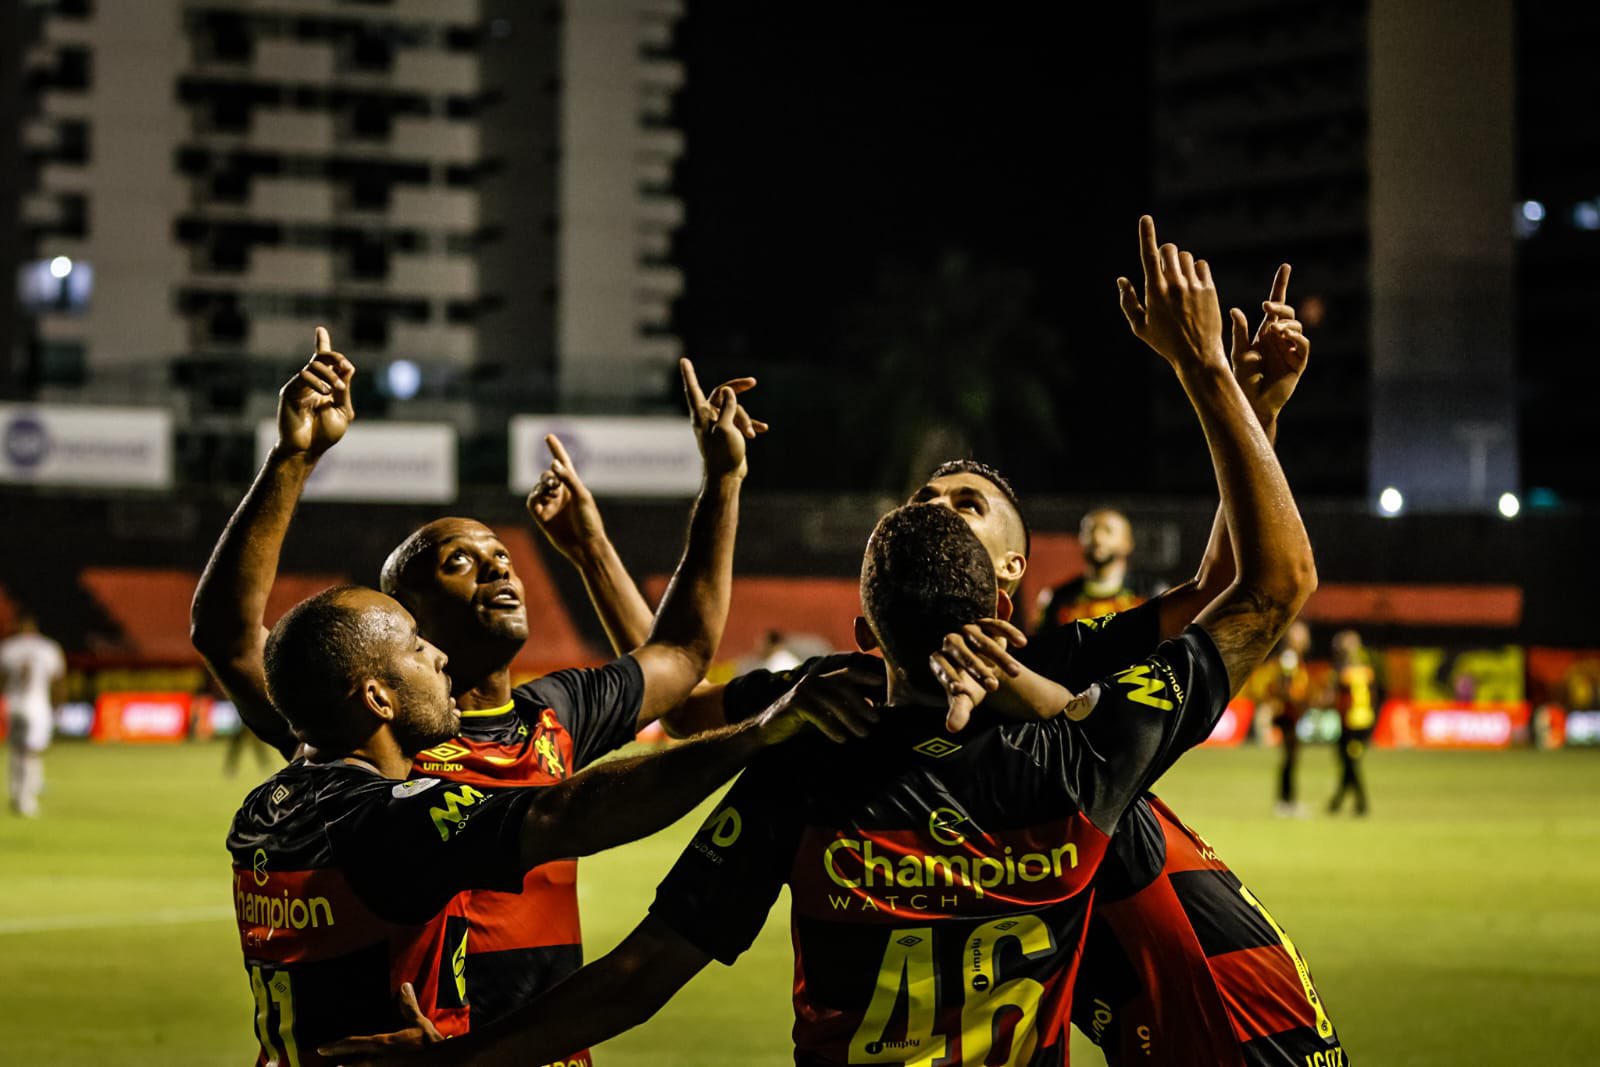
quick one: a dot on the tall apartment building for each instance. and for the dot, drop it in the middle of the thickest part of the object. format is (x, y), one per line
(1371, 145)
(480, 188)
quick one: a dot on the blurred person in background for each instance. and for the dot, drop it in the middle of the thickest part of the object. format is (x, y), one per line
(1355, 694)
(1289, 692)
(33, 667)
(1105, 586)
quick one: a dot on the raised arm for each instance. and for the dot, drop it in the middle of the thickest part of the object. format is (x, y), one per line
(1275, 572)
(1267, 365)
(688, 625)
(227, 617)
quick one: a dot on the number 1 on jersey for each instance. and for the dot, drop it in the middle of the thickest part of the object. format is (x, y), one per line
(272, 992)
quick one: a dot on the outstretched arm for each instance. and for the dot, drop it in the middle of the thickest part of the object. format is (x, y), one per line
(622, 800)
(227, 617)
(1275, 571)
(613, 994)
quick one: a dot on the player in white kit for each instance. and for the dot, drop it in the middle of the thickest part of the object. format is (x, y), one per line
(30, 665)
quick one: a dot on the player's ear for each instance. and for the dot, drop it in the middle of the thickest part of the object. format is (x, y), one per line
(1011, 568)
(866, 640)
(378, 699)
(1003, 606)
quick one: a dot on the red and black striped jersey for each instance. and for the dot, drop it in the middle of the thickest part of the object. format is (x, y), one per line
(940, 883)
(1072, 601)
(519, 943)
(338, 875)
(1184, 964)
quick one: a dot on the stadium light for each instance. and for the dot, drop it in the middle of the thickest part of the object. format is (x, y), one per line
(1391, 502)
(404, 379)
(1533, 210)
(60, 267)
(1510, 506)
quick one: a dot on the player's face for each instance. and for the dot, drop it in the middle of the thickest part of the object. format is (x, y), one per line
(466, 590)
(427, 712)
(1105, 536)
(988, 513)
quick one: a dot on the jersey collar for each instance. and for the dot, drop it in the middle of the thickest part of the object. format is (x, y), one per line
(484, 713)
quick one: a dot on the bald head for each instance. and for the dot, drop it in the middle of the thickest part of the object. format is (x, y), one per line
(411, 563)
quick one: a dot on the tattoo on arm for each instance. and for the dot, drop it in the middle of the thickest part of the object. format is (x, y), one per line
(1244, 624)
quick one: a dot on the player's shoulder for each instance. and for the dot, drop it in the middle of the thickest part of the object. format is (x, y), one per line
(1179, 668)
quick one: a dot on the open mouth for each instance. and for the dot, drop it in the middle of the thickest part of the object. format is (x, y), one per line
(504, 600)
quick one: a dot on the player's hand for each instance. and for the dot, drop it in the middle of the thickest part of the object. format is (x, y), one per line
(1269, 364)
(721, 424)
(314, 407)
(974, 662)
(839, 703)
(562, 506)
(380, 1050)
(1179, 315)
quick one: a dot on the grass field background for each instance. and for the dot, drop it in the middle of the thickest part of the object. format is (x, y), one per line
(1459, 925)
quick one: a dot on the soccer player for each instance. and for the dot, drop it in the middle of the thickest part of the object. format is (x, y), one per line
(456, 579)
(940, 884)
(1356, 696)
(1289, 691)
(1161, 963)
(31, 668)
(340, 865)
(1104, 587)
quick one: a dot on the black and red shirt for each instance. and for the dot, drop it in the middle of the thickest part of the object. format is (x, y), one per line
(515, 944)
(940, 884)
(338, 875)
(1073, 601)
(1184, 964)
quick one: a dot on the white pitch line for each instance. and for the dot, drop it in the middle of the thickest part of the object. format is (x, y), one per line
(168, 917)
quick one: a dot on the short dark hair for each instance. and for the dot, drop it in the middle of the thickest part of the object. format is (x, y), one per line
(925, 575)
(998, 480)
(319, 649)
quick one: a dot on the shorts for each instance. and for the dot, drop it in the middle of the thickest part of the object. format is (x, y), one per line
(31, 733)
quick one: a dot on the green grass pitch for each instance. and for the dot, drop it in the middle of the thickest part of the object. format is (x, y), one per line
(1459, 925)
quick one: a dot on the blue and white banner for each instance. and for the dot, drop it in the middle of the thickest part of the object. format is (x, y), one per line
(394, 462)
(63, 444)
(615, 455)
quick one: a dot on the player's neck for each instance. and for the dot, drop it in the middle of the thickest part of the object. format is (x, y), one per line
(903, 694)
(1107, 578)
(481, 692)
(382, 753)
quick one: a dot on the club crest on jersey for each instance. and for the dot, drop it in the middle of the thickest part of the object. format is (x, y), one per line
(546, 748)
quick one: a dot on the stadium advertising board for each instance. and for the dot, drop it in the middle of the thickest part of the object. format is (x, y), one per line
(384, 462)
(1445, 724)
(142, 717)
(625, 456)
(1582, 727)
(107, 447)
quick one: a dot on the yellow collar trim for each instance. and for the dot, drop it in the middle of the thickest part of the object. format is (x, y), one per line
(483, 713)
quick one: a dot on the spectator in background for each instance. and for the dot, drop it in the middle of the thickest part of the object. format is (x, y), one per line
(1104, 586)
(33, 668)
(1356, 696)
(1289, 693)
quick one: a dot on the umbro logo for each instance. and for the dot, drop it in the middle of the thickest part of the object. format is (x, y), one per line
(280, 794)
(445, 753)
(937, 747)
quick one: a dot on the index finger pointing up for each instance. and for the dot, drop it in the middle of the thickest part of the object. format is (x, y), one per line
(1280, 285)
(691, 386)
(1148, 255)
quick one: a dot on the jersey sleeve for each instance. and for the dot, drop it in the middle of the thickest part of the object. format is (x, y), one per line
(599, 706)
(1080, 652)
(718, 894)
(1141, 719)
(410, 847)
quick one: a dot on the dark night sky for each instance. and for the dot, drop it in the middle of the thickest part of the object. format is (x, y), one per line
(838, 141)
